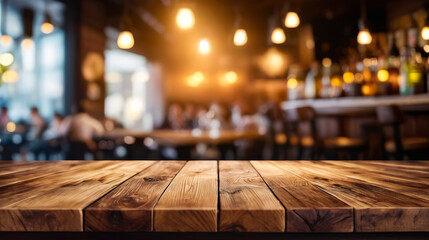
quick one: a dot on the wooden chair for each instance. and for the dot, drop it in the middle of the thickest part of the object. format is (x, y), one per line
(391, 118)
(313, 143)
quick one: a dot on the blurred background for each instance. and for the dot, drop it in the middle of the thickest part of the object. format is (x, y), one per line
(214, 79)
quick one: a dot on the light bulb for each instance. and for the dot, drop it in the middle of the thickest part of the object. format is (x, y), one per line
(278, 36)
(47, 28)
(185, 18)
(348, 77)
(240, 37)
(204, 47)
(292, 20)
(425, 33)
(292, 83)
(383, 75)
(364, 37)
(6, 59)
(125, 40)
(11, 127)
(231, 77)
(10, 76)
(27, 44)
(195, 79)
(6, 40)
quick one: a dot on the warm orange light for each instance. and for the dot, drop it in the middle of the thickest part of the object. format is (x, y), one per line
(348, 77)
(27, 43)
(278, 36)
(240, 37)
(47, 28)
(336, 82)
(185, 18)
(364, 37)
(6, 40)
(425, 33)
(326, 62)
(231, 77)
(125, 40)
(359, 77)
(10, 76)
(195, 79)
(292, 83)
(383, 75)
(11, 127)
(204, 47)
(426, 48)
(292, 20)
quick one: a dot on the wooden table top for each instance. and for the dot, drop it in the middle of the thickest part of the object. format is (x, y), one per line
(167, 137)
(215, 196)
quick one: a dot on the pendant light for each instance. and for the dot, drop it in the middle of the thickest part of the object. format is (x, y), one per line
(125, 39)
(5, 39)
(425, 30)
(278, 36)
(364, 36)
(292, 20)
(47, 27)
(28, 20)
(240, 35)
(185, 18)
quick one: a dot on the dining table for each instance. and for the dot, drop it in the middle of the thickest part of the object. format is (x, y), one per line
(216, 199)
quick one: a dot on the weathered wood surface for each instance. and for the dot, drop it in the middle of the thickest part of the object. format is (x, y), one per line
(129, 207)
(246, 203)
(55, 202)
(210, 196)
(190, 203)
(377, 208)
(309, 209)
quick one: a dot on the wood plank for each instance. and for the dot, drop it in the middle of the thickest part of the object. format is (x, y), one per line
(37, 171)
(377, 209)
(308, 208)
(129, 207)
(12, 167)
(59, 206)
(246, 203)
(190, 202)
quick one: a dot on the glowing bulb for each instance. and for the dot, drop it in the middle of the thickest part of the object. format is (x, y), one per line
(359, 77)
(348, 77)
(6, 40)
(11, 127)
(240, 37)
(195, 79)
(10, 76)
(125, 40)
(425, 33)
(278, 36)
(6, 59)
(364, 37)
(426, 48)
(231, 77)
(27, 43)
(292, 20)
(204, 47)
(383, 75)
(47, 28)
(292, 83)
(185, 18)
(336, 82)
(326, 62)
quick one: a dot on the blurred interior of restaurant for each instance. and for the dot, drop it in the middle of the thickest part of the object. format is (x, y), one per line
(214, 79)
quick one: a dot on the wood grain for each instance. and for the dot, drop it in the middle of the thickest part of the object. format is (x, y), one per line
(377, 209)
(246, 203)
(55, 202)
(308, 208)
(33, 171)
(129, 207)
(190, 202)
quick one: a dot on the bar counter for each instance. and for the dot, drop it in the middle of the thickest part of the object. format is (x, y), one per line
(285, 197)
